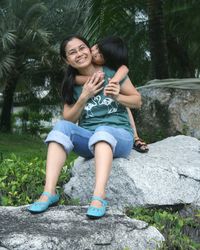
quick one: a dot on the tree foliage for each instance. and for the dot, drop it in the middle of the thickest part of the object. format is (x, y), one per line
(182, 21)
(29, 45)
(22, 38)
(31, 32)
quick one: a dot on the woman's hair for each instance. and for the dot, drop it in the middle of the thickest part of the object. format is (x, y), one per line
(69, 77)
(114, 51)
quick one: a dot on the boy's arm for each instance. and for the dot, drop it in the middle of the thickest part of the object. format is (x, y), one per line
(132, 122)
(120, 74)
(80, 80)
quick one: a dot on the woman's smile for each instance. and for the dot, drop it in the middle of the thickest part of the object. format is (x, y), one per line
(82, 59)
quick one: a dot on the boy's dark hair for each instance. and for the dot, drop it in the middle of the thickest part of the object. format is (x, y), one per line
(114, 51)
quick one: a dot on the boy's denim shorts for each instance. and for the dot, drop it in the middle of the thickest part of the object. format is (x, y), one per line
(82, 141)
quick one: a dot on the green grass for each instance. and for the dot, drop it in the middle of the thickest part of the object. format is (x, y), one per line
(24, 146)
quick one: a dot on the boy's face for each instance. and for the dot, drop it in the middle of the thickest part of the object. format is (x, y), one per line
(97, 57)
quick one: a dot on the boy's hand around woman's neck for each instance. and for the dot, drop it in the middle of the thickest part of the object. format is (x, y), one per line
(112, 89)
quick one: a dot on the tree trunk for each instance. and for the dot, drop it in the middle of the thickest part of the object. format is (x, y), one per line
(8, 94)
(157, 39)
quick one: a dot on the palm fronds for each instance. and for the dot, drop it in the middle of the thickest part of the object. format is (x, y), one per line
(7, 63)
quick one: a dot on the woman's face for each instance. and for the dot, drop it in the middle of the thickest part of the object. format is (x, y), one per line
(78, 55)
(97, 57)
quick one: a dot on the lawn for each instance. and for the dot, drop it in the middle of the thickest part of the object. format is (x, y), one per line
(25, 146)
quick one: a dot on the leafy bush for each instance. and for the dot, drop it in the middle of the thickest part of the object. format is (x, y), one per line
(22, 181)
(170, 224)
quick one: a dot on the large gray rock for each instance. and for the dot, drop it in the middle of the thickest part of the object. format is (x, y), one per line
(67, 228)
(168, 111)
(168, 174)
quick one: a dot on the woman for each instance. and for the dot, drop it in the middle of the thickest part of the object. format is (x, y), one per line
(103, 131)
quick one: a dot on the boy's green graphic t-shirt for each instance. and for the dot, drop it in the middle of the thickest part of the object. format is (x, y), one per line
(103, 110)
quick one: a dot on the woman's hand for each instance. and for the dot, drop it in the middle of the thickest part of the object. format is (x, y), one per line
(93, 86)
(112, 89)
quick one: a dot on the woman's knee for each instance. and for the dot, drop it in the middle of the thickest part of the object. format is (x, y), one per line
(120, 140)
(102, 135)
(61, 135)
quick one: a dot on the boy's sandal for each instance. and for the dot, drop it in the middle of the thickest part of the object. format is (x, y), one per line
(97, 212)
(140, 146)
(42, 206)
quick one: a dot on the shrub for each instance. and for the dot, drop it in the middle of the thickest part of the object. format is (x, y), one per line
(170, 224)
(22, 181)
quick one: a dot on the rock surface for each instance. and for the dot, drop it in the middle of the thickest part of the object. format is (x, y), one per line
(67, 227)
(169, 111)
(168, 174)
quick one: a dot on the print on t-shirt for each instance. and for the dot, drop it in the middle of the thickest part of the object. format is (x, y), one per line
(112, 106)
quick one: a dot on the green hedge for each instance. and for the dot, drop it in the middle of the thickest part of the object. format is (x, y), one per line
(172, 225)
(22, 180)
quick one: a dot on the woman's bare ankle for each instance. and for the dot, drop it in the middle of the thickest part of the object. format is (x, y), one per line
(99, 194)
(50, 191)
(44, 197)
